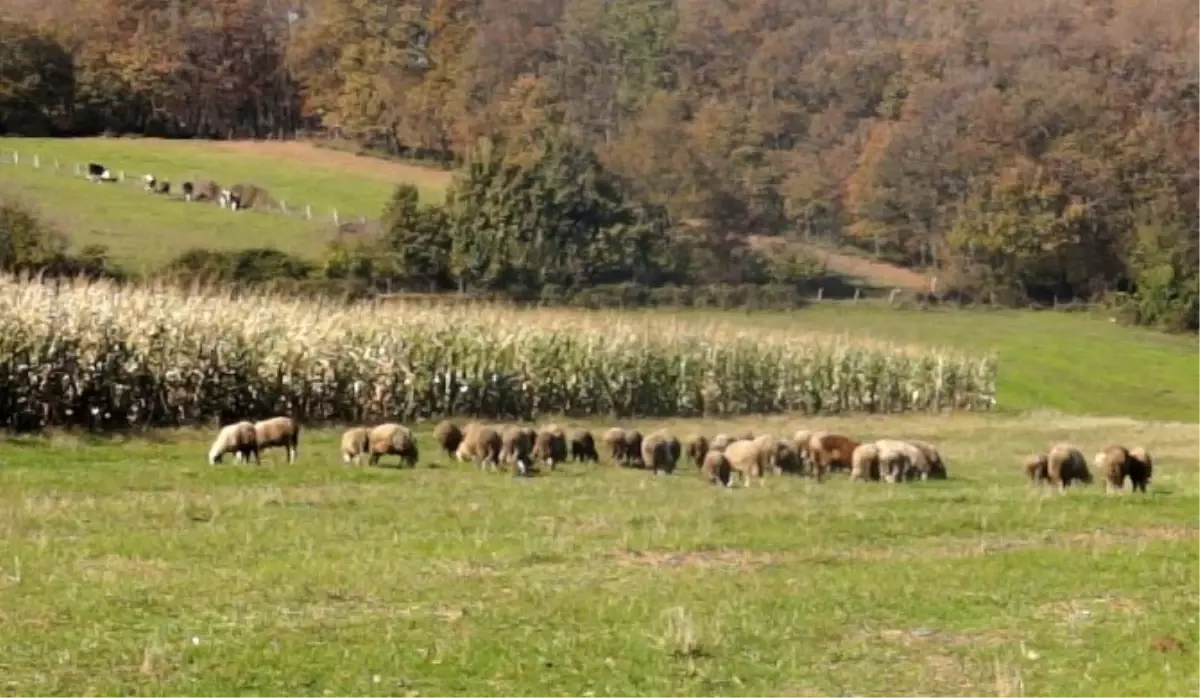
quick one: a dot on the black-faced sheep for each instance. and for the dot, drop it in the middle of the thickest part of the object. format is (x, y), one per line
(238, 438)
(583, 446)
(864, 463)
(393, 440)
(549, 446)
(356, 443)
(448, 436)
(515, 448)
(633, 449)
(656, 452)
(1066, 464)
(787, 460)
(614, 440)
(99, 173)
(696, 448)
(934, 466)
(716, 468)
(1115, 463)
(279, 432)
(1141, 468)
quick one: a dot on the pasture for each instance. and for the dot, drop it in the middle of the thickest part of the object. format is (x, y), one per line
(133, 567)
(144, 231)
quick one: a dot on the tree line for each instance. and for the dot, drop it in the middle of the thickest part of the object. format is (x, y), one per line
(1028, 150)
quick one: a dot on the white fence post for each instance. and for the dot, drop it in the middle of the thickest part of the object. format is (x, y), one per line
(37, 163)
(308, 211)
(335, 217)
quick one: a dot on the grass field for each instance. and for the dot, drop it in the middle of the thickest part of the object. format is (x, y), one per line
(132, 567)
(144, 231)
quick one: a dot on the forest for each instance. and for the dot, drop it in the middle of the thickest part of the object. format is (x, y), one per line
(1028, 150)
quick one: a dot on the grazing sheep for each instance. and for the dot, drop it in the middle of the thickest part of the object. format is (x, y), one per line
(201, 190)
(515, 447)
(769, 444)
(696, 447)
(750, 459)
(356, 443)
(1064, 464)
(481, 444)
(864, 463)
(236, 438)
(392, 439)
(656, 452)
(633, 449)
(787, 460)
(1141, 468)
(99, 173)
(1036, 466)
(244, 195)
(900, 460)
(800, 441)
(279, 431)
(830, 452)
(583, 446)
(720, 442)
(448, 436)
(615, 440)
(935, 467)
(549, 445)
(1115, 463)
(675, 448)
(716, 468)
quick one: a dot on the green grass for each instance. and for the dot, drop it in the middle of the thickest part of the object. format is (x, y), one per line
(133, 567)
(1071, 362)
(143, 231)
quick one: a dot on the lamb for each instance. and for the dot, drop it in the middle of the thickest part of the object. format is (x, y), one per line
(515, 447)
(830, 452)
(356, 443)
(236, 438)
(549, 445)
(392, 439)
(864, 463)
(750, 459)
(1141, 468)
(583, 446)
(717, 469)
(696, 447)
(279, 431)
(1036, 466)
(481, 444)
(1064, 464)
(656, 452)
(448, 436)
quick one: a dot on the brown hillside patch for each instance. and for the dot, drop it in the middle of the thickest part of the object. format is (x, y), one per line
(309, 154)
(873, 272)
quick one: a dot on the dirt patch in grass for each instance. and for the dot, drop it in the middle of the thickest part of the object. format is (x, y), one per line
(742, 559)
(309, 154)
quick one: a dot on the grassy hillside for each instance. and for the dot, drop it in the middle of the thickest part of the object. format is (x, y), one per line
(135, 568)
(144, 231)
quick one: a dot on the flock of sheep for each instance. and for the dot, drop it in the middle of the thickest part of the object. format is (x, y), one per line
(724, 459)
(239, 196)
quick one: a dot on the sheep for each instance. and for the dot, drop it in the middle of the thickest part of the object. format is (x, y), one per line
(614, 439)
(675, 448)
(656, 452)
(1115, 463)
(750, 459)
(549, 445)
(448, 436)
(864, 463)
(356, 442)
(1141, 468)
(1036, 466)
(787, 460)
(392, 439)
(716, 468)
(583, 446)
(1064, 464)
(201, 190)
(236, 438)
(279, 431)
(935, 467)
(720, 442)
(515, 447)
(244, 195)
(99, 173)
(481, 444)
(899, 460)
(830, 452)
(800, 440)
(696, 447)
(633, 449)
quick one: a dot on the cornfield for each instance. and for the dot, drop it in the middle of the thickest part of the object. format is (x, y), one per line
(103, 356)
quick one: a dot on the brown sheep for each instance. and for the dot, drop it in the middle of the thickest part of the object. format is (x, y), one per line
(583, 446)
(864, 463)
(244, 195)
(448, 436)
(392, 439)
(656, 452)
(615, 440)
(481, 444)
(1112, 464)
(717, 469)
(238, 438)
(1065, 464)
(1035, 466)
(279, 432)
(1141, 468)
(830, 452)
(515, 447)
(356, 442)
(549, 445)
(696, 447)
(750, 460)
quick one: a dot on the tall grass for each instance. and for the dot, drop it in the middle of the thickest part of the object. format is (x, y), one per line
(104, 356)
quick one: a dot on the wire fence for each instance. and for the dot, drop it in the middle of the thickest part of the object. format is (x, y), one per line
(279, 206)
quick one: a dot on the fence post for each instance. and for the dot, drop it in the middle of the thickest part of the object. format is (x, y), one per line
(77, 171)
(37, 163)
(857, 291)
(16, 158)
(308, 211)
(56, 165)
(820, 292)
(335, 217)
(283, 206)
